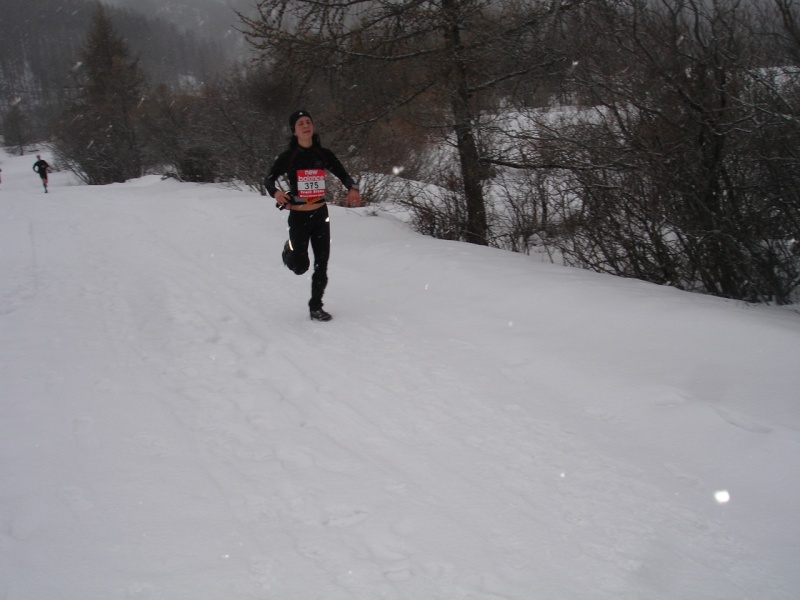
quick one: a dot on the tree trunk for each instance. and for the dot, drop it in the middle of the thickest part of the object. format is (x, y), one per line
(465, 137)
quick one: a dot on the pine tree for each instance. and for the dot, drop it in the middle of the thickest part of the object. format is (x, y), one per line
(15, 129)
(97, 138)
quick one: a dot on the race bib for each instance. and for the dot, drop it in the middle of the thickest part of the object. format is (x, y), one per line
(310, 184)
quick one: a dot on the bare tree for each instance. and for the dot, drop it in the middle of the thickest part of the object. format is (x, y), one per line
(684, 169)
(245, 123)
(391, 55)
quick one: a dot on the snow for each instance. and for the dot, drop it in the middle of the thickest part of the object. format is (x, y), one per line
(472, 425)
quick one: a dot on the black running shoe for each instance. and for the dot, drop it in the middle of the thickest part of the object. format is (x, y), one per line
(320, 315)
(287, 254)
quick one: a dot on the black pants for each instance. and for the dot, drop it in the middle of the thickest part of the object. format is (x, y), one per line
(310, 227)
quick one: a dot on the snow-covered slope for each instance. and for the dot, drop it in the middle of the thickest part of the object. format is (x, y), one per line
(473, 424)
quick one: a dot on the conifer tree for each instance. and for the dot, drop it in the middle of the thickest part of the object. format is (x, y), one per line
(15, 129)
(97, 138)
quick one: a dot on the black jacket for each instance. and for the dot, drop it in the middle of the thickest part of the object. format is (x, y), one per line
(297, 158)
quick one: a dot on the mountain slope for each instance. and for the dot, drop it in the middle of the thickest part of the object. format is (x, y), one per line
(40, 46)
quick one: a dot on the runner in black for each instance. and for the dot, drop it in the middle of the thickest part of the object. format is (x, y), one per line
(304, 164)
(41, 167)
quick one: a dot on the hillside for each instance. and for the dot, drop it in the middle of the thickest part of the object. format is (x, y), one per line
(473, 424)
(206, 19)
(39, 48)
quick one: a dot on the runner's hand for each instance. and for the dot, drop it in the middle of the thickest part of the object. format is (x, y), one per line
(281, 199)
(353, 198)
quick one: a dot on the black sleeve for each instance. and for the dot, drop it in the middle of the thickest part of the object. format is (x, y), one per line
(278, 169)
(334, 166)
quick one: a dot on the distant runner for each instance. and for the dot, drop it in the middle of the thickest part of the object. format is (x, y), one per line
(41, 166)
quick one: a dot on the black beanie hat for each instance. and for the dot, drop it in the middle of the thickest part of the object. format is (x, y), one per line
(295, 116)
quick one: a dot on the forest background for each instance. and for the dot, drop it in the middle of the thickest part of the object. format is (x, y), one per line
(651, 139)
